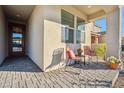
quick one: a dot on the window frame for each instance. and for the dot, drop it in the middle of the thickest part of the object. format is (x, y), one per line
(72, 27)
(63, 38)
(81, 31)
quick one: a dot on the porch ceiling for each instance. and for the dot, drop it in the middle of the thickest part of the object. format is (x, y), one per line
(18, 12)
(91, 10)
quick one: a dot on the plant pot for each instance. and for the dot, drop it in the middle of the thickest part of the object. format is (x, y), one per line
(114, 66)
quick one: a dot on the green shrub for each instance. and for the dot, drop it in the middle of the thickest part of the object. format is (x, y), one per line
(100, 50)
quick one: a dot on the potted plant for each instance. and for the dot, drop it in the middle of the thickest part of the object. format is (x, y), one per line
(113, 62)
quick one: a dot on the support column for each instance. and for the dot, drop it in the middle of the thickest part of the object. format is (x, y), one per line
(113, 33)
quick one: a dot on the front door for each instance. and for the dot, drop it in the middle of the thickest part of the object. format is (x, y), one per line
(16, 39)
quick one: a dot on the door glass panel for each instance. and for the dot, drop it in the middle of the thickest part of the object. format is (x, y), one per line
(17, 39)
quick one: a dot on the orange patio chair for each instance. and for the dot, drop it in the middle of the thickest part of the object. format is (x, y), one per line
(88, 51)
(72, 57)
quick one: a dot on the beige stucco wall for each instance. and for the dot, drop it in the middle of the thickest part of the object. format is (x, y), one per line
(2, 36)
(52, 42)
(34, 36)
(44, 34)
(52, 36)
(52, 33)
(113, 32)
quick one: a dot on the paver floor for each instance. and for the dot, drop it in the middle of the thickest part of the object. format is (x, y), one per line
(21, 72)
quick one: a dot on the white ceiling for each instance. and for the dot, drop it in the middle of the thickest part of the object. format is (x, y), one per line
(94, 8)
(23, 12)
(18, 12)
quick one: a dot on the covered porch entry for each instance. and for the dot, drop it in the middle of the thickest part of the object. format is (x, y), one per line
(42, 21)
(43, 27)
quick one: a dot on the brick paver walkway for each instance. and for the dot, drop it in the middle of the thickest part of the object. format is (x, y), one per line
(22, 72)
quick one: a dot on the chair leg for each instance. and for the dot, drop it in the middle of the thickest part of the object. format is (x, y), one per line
(80, 63)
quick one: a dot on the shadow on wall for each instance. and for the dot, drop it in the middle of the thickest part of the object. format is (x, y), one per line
(57, 57)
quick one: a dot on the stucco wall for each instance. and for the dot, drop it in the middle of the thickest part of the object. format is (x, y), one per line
(44, 34)
(34, 36)
(52, 33)
(2, 36)
(112, 35)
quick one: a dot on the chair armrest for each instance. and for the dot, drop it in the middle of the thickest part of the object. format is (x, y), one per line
(92, 51)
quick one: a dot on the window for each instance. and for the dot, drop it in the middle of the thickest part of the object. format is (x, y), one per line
(67, 19)
(80, 33)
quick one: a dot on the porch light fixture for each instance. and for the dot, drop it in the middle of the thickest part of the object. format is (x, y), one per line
(89, 6)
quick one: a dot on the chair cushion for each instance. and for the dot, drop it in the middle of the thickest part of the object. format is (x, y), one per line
(77, 58)
(72, 55)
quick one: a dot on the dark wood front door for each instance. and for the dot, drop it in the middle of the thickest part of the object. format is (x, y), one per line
(16, 39)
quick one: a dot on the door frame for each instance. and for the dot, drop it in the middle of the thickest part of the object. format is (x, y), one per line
(10, 53)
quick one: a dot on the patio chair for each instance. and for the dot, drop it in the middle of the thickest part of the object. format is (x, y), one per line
(89, 52)
(80, 54)
(72, 57)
